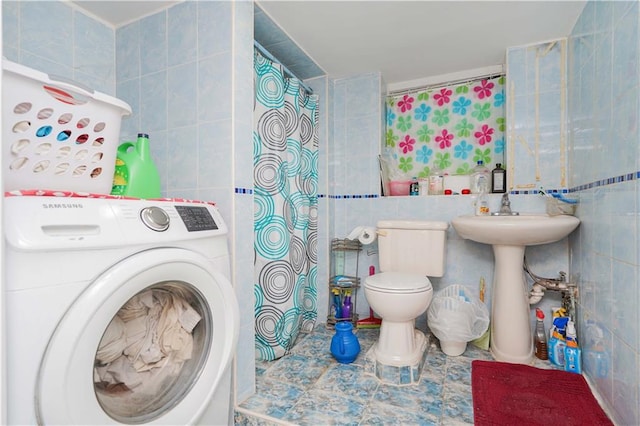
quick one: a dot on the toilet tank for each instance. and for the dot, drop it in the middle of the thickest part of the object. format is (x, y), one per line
(412, 246)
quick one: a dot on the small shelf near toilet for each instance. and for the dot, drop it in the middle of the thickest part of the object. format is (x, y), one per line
(344, 281)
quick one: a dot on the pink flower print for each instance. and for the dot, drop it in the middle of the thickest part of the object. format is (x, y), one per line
(484, 90)
(484, 135)
(407, 144)
(405, 103)
(444, 139)
(443, 97)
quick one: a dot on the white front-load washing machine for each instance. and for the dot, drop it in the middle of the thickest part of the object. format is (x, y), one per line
(117, 312)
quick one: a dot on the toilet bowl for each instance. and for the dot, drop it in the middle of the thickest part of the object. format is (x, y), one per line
(409, 252)
(398, 298)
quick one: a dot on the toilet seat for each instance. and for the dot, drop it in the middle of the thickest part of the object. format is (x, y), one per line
(398, 282)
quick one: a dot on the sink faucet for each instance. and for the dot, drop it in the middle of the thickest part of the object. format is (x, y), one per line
(505, 204)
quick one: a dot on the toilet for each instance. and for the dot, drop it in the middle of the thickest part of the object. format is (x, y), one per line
(409, 252)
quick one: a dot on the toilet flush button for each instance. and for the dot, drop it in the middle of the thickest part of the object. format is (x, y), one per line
(155, 218)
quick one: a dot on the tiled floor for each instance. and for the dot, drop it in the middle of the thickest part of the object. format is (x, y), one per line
(308, 387)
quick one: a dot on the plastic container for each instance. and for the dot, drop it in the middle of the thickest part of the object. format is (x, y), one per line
(456, 317)
(136, 175)
(453, 348)
(480, 177)
(482, 204)
(557, 341)
(57, 134)
(345, 346)
(347, 306)
(399, 187)
(436, 181)
(572, 353)
(423, 186)
(414, 187)
(540, 337)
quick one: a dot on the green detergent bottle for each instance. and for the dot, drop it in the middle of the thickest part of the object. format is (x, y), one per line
(135, 174)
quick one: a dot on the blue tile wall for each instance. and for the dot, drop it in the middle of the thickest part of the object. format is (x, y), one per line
(55, 38)
(276, 41)
(604, 81)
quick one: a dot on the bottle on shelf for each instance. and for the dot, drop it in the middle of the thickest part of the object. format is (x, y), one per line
(414, 188)
(498, 179)
(436, 181)
(347, 305)
(540, 337)
(480, 178)
(337, 304)
(482, 205)
(423, 186)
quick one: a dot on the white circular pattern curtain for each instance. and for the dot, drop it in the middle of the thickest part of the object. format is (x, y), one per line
(285, 209)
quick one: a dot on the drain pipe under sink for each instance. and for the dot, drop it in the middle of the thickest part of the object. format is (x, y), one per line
(541, 284)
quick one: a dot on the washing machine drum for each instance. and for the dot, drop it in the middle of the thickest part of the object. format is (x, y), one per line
(146, 343)
(398, 282)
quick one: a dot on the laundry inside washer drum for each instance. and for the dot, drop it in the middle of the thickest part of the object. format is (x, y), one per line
(143, 351)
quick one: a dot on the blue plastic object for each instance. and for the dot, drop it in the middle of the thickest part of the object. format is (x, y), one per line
(562, 198)
(345, 346)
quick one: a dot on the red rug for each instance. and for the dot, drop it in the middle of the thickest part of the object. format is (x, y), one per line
(516, 394)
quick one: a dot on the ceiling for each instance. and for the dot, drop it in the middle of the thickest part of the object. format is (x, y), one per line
(121, 12)
(405, 40)
(409, 40)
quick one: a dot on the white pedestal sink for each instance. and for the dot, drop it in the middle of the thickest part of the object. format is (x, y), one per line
(511, 338)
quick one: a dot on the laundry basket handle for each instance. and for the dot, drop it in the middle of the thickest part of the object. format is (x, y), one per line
(67, 83)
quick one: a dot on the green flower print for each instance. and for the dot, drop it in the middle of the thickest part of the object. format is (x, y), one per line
(501, 124)
(464, 169)
(406, 164)
(424, 96)
(404, 123)
(443, 160)
(501, 80)
(463, 128)
(391, 138)
(485, 155)
(482, 111)
(462, 89)
(425, 133)
(424, 173)
(441, 117)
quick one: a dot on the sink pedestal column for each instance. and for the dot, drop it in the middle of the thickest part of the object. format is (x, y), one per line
(511, 338)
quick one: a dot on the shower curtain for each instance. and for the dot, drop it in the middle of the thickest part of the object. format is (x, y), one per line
(285, 209)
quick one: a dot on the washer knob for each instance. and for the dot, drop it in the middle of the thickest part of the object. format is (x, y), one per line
(155, 218)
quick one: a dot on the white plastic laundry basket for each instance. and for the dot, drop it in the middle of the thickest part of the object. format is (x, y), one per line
(57, 134)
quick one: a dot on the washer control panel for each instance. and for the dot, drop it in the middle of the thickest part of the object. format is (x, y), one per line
(196, 218)
(155, 218)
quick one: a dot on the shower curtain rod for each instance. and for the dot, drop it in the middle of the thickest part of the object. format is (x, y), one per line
(444, 84)
(272, 58)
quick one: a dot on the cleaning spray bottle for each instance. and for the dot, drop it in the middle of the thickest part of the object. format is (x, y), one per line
(347, 305)
(572, 353)
(557, 340)
(540, 337)
(337, 304)
(135, 174)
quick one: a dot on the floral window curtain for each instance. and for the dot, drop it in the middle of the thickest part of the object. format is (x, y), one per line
(451, 127)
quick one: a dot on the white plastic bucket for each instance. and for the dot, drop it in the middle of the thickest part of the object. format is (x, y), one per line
(453, 348)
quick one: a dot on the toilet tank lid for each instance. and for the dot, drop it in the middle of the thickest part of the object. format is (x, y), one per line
(398, 282)
(413, 224)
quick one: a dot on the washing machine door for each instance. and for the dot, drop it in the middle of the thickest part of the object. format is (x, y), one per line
(114, 360)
